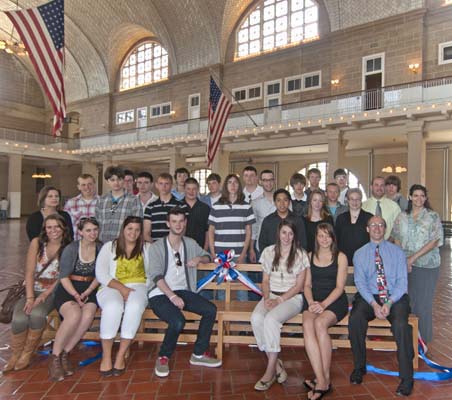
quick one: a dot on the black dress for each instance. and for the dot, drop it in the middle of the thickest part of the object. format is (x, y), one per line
(323, 283)
(351, 237)
(81, 269)
(311, 228)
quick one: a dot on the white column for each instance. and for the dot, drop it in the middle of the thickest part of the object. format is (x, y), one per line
(416, 153)
(14, 185)
(220, 164)
(336, 151)
(176, 161)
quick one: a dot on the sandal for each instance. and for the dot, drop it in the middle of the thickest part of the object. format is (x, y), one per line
(282, 376)
(262, 386)
(309, 384)
(321, 392)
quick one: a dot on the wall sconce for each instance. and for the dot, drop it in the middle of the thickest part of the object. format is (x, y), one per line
(390, 169)
(172, 112)
(335, 82)
(414, 67)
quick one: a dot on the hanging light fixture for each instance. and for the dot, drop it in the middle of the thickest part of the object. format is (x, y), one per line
(41, 174)
(12, 46)
(391, 169)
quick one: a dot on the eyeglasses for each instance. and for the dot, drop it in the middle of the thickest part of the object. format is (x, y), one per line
(178, 260)
(88, 219)
(374, 225)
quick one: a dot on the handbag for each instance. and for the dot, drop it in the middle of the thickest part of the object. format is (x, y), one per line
(15, 293)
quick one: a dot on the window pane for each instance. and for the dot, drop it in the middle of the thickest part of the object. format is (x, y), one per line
(243, 35)
(273, 102)
(447, 53)
(297, 5)
(157, 51)
(377, 64)
(133, 70)
(369, 65)
(132, 82)
(140, 56)
(310, 15)
(165, 61)
(166, 109)
(281, 39)
(255, 32)
(147, 66)
(255, 46)
(255, 17)
(296, 19)
(281, 24)
(269, 13)
(157, 75)
(269, 28)
(140, 79)
(296, 34)
(164, 73)
(133, 59)
(311, 31)
(243, 50)
(148, 77)
(157, 63)
(269, 42)
(281, 8)
(140, 68)
(125, 72)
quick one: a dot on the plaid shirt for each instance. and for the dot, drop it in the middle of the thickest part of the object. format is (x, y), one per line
(111, 215)
(78, 208)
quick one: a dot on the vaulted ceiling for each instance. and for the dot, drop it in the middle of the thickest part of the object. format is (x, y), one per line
(196, 33)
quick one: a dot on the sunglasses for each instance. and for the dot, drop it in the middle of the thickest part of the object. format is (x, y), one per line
(88, 219)
(178, 260)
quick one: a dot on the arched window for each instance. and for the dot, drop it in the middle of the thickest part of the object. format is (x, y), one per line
(201, 176)
(353, 181)
(147, 63)
(277, 23)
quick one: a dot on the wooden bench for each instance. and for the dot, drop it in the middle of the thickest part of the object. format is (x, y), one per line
(233, 326)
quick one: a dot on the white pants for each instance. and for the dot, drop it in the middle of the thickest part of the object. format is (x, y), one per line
(267, 324)
(113, 307)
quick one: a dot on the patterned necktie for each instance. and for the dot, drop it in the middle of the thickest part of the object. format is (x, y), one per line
(381, 278)
(378, 209)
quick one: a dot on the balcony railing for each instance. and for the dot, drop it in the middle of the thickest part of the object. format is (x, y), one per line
(391, 97)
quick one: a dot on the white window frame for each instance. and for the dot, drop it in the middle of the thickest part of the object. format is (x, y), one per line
(160, 106)
(292, 78)
(125, 112)
(364, 67)
(269, 97)
(139, 109)
(310, 74)
(441, 47)
(190, 107)
(247, 89)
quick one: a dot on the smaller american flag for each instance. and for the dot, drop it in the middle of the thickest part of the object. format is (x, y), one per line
(42, 31)
(219, 109)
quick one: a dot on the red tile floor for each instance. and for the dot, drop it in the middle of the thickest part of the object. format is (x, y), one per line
(242, 366)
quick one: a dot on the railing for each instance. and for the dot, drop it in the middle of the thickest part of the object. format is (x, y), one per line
(404, 95)
(15, 135)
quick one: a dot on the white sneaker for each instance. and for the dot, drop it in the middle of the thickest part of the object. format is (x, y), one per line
(162, 367)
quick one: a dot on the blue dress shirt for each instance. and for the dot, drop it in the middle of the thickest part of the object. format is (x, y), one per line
(394, 262)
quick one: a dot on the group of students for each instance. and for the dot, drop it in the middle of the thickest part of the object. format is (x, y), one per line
(304, 242)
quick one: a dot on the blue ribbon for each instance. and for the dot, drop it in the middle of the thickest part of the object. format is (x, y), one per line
(445, 374)
(83, 363)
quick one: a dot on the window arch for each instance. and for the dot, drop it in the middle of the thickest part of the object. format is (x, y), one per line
(277, 23)
(353, 181)
(145, 64)
(201, 176)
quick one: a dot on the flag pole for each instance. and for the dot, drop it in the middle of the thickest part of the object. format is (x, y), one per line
(232, 97)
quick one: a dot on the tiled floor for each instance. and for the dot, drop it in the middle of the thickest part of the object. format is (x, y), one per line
(242, 366)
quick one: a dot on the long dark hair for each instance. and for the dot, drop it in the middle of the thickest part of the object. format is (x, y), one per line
(120, 242)
(43, 239)
(324, 211)
(224, 199)
(413, 188)
(293, 248)
(328, 228)
(43, 194)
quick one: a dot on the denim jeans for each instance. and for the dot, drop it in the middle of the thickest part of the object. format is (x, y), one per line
(169, 313)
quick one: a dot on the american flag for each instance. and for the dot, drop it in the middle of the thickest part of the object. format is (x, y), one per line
(219, 109)
(42, 31)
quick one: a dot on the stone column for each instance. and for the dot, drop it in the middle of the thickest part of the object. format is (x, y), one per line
(416, 153)
(14, 185)
(176, 161)
(220, 163)
(336, 152)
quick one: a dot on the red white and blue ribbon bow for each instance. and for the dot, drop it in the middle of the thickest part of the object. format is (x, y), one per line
(225, 271)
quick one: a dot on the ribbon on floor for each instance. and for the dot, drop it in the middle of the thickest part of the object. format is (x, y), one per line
(83, 363)
(444, 374)
(226, 271)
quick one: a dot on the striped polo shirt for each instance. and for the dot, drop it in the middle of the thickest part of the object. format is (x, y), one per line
(156, 212)
(230, 221)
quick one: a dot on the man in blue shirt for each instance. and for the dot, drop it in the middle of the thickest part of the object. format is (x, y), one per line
(368, 303)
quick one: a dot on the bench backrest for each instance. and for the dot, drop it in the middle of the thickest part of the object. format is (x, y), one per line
(231, 287)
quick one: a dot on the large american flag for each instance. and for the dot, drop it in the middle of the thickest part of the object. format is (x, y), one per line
(42, 31)
(219, 109)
